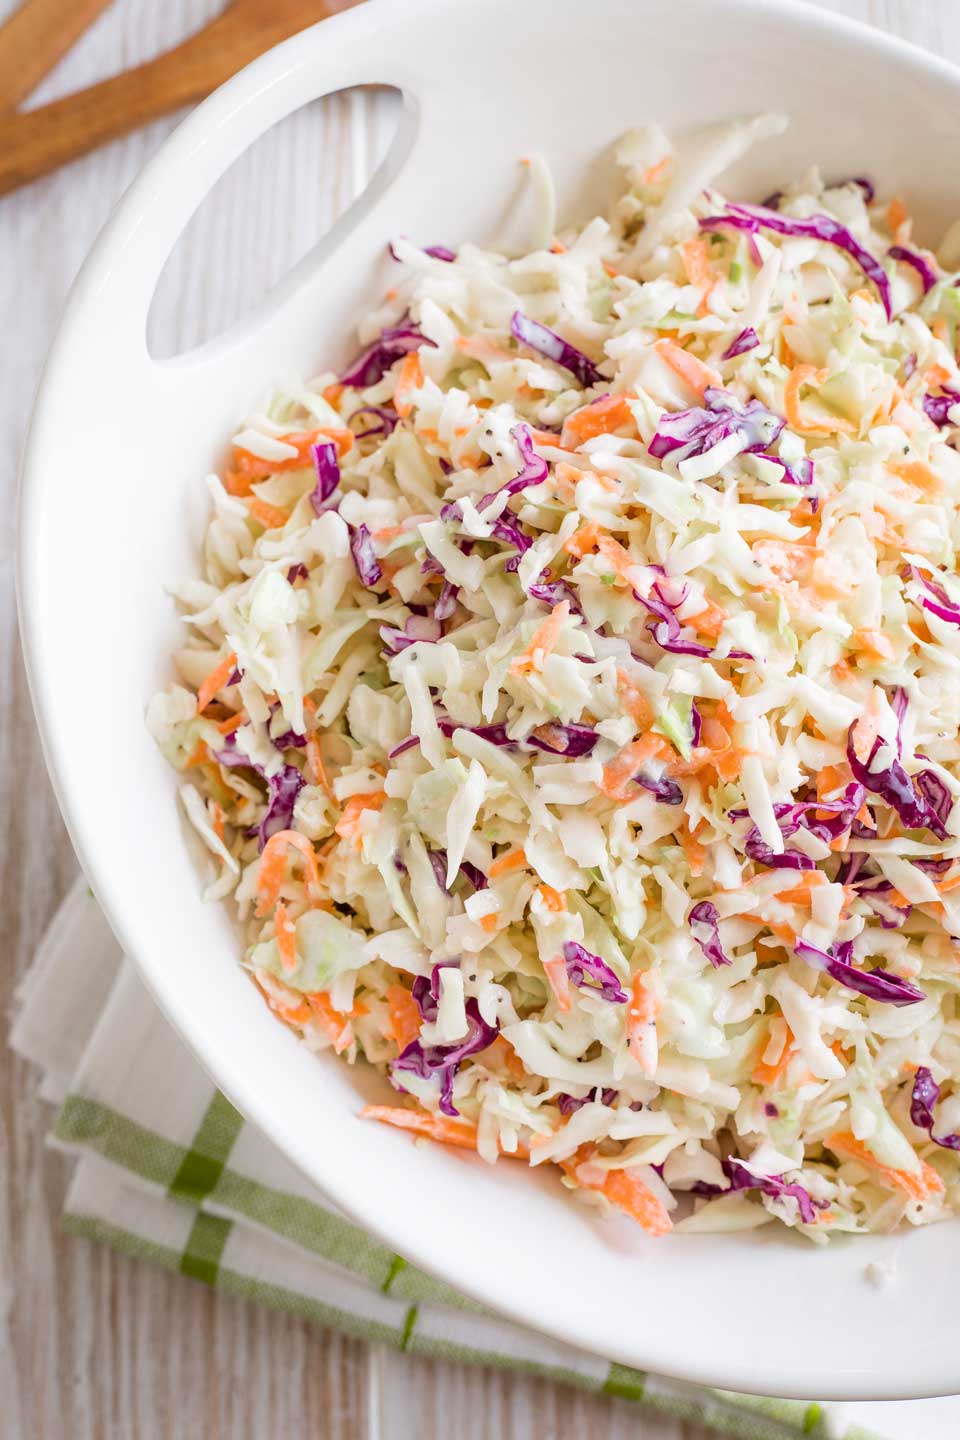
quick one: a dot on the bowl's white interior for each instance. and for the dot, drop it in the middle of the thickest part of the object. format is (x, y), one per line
(113, 508)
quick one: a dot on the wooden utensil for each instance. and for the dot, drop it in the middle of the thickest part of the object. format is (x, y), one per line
(34, 142)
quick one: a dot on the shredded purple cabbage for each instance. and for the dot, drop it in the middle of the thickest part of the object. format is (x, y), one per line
(282, 789)
(474, 874)
(773, 1185)
(926, 1094)
(588, 972)
(667, 630)
(377, 359)
(574, 741)
(404, 745)
(875, 891)
(874, 984)
(364, 558)
(297, 572)
(827, 819)
(704, 922)
(746, 340)
(936, 599)
(549, 344)
(801, 474)
(684, 433)
(895, 786)
(828, 230)
(552, 592)
(535, 469)
(438, 252)
(328, 474)
(446, 602)
(440, 1062)
(568, 1104)
(928, 276)
(388, 420)
(416, 627)
(661, 787)
(937, 407)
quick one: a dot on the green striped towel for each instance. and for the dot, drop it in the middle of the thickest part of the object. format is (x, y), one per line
(168, 1170)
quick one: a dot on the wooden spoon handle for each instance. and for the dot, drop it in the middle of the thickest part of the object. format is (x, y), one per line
(38, 141)
(35, 37)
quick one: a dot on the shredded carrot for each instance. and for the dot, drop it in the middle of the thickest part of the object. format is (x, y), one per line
(829, 780)
(634, 701)
(504, 864)
(556, 972)
(332, 393)
(232, 722)
(318, 771)
(217, 816)
(348, 826)
(602, 417)
(695, 853)
(543, 641)
(874, 644)
(710, 620)
(271, 517)
(624, 766)
(896, 216)
(273, 861)
(619, 559)
(200, 755)
(434, 1127)
(409, 378)
(404, 1016)
(949, 882)
(289, 1004)
(249, 468)
(643, 1011)
(286, 937)
(800, 889)
(769, 1074)
(921, 476)
(655, 172)
(628, 1193)
(216, 680)
(339, 1029)
(502, 1049)
(799, 376)
(554, 900)
(696, 262)
(919, 1186)
(692, 371)
(490, 922)
(582, 541)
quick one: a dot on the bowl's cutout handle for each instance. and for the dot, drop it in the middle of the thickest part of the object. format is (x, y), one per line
(129, 257)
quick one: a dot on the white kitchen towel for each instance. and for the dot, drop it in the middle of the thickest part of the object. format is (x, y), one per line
(168, 1170)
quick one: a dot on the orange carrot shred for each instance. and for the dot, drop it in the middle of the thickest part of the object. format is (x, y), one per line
(434, 1127)
(919, 1186)
(629, 1194)
(556, 973)
(215, 681)
(504, 864)
(404, 1016)
(273, 861)
(286, 937)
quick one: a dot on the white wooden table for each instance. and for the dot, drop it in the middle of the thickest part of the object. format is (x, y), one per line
(93, 1344)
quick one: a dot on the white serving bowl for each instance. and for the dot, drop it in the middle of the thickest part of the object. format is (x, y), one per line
(112, 508)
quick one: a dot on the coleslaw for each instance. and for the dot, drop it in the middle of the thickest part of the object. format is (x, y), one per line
(570, 702)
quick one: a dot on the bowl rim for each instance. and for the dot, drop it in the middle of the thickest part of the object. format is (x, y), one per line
(268, 70)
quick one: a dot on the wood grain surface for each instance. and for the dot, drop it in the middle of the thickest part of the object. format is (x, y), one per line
(92, 1344)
